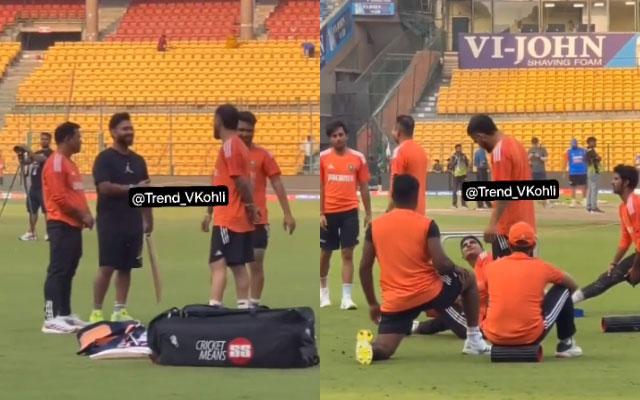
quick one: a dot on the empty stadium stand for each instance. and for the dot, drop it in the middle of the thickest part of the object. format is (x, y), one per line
(615, 138)
(193, 73)
(10, 10)
(184, 139)
(179, 20)
(541, 91)
(8, 53)
(294, 19)
(329, 6)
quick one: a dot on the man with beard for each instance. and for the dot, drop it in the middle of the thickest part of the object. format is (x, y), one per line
(120, 227)
(34, 195)
(233, 225)
(625, 179)
(342, 172)
(509, 162)
(408, 158)
(262, 166)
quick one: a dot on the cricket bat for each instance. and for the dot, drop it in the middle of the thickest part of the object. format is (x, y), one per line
(155, 268)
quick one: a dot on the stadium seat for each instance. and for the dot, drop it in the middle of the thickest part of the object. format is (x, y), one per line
(614, 138)
(190, 147)
(295, 19)
(191, 73)
(542, 91)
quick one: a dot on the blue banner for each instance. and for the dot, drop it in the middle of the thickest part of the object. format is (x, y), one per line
(337, 31)
(374, 7)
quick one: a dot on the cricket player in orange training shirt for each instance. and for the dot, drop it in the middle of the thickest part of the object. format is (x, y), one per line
(262, 166)
(625, 180)
(67, 214)
(342, 172)
(415, 276)
(233, 225)
(509, 162)
(409, 158)
(520, 313)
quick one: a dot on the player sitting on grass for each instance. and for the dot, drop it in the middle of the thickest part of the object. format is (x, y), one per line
(415, 275)
(474, 254)
(625, 180)
(520, 313)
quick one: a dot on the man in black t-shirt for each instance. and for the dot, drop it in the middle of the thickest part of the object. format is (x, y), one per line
(120, 227)
(33, 183)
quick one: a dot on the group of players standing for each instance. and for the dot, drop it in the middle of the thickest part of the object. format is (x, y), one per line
(240, 229)
(503, 300)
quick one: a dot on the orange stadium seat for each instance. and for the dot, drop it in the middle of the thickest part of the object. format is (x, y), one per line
(615, 138)
(542, 91)
(190, 148)
(10, 10)
(8, 52)
(192, 73)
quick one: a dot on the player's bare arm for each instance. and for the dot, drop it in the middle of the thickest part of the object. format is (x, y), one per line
(366, 279)
(496, 214)
(323, 219)
(115, 189)
(569, 283)
(147, 220)
(244, 189)
(441, 261)
(634, 272)
(366, 202)
(289, 222)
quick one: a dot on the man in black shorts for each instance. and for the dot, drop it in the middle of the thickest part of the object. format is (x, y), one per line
(262, 166)
(415, 276)
(342, 172)
(35, 200)
(120, 227)
(233, 224)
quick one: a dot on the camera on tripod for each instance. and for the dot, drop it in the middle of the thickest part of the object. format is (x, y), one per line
(22, 150)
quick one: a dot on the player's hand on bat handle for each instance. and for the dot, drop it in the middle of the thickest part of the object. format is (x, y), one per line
(205, 223)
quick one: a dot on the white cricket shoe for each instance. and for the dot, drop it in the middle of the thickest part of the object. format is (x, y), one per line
(568, 350)
(325, 300)
(348, 304)
(74, 320)
(58, 326)
(476, 346)
(29, 236)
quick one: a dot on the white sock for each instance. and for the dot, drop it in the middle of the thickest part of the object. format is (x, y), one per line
(243, 304)
(473, 332)
(215, 303)
(119, 307)
(324, 291)
(346, 290)
(254, 302)
(577, 296)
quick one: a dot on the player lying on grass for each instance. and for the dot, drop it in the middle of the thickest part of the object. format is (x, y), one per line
(625, 180)
(519, 312)
(415, 275)
(474, 254)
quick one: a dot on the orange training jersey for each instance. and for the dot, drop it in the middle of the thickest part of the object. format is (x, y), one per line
(262, 166)
(483, 259)
(233, 161)
(510, 162)
(340, 176)
(410, 158)
(407, 276)
(516, 286)
(63, 190)
(630, 223)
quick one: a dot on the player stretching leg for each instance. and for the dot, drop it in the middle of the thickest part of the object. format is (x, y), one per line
(625, 180)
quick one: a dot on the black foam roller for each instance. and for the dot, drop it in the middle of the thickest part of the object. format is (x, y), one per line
(532, 353)
(626, 323)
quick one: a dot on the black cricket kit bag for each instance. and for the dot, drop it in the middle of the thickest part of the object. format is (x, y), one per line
(201, 335)
(111, 340)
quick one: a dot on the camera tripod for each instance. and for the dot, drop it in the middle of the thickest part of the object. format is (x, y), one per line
(8, 193)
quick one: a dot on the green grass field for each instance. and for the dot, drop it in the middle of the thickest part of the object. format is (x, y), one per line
(38, 366)
(432, 367)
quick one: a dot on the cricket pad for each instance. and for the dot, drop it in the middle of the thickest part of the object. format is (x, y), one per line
(205, 336)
